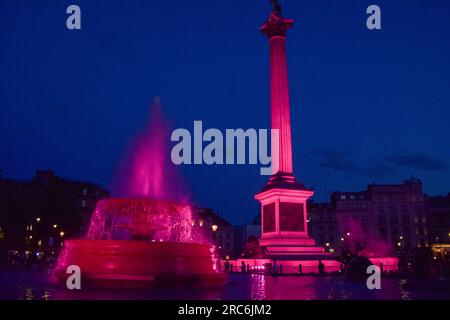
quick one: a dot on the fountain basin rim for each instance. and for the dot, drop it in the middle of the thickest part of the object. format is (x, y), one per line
(144, 199)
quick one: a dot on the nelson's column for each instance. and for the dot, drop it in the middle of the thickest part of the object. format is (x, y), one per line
(283, 199)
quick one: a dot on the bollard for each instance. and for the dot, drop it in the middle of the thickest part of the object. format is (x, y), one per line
(300, 269)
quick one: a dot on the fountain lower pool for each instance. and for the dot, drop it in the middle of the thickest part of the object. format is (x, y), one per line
(140, 243)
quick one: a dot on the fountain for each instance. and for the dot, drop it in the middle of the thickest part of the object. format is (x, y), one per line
(141, 239)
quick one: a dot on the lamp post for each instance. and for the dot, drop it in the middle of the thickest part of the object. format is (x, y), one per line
(214, 228)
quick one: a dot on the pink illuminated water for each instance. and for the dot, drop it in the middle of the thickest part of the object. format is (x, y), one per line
(145, 231)
(149, 202)
(146, 170)
(141, 219)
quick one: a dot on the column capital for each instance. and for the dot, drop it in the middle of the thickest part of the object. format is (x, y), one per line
(276, 25)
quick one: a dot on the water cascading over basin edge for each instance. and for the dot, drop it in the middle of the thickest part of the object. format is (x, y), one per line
(140, 239)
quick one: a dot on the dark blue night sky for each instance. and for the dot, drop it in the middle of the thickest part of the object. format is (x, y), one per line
(367, 106)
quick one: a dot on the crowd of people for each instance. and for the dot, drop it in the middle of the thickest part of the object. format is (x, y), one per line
(27, 260)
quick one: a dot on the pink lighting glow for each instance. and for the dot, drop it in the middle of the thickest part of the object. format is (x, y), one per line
(283, 200)
(143, 219)
(144, 239)
(275, 28)
(146, 170)
(362, 243)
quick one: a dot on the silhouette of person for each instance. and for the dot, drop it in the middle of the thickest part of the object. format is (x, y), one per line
(275, 268)
(227, 266)
(321, 267)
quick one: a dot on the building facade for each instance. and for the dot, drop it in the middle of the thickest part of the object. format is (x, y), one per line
(438, 211)
(208, 226)
(322, 225)
(243, 232)
(393, 214)
(39, 212)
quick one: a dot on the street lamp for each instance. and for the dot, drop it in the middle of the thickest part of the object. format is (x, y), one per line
(55, 226)
(214, 227)
(38, 219)
(61, 234)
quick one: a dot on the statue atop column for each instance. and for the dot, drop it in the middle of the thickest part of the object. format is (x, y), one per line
(276, 25)
(276, 7)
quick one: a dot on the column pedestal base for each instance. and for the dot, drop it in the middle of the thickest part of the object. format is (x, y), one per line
(284, 219)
